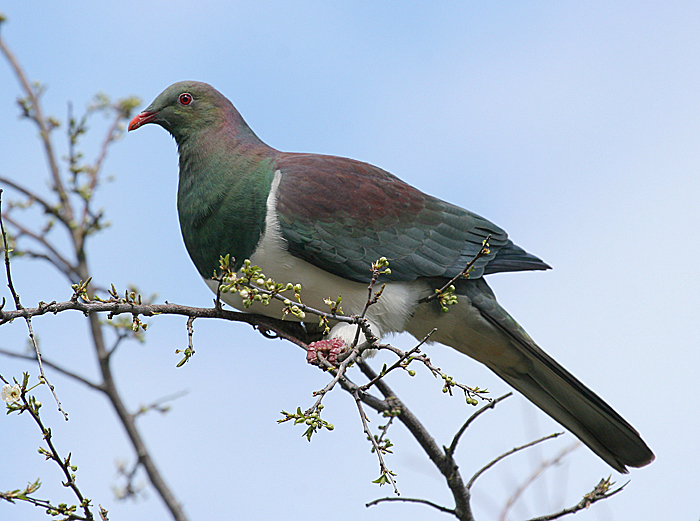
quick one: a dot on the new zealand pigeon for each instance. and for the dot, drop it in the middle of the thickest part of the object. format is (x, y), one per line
(322, 220)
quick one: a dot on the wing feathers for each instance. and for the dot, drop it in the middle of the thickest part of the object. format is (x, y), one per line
(341, 215)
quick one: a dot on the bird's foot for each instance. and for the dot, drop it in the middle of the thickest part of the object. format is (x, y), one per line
(330, 348)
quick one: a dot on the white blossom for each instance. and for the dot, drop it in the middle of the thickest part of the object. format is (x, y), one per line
(11, 393)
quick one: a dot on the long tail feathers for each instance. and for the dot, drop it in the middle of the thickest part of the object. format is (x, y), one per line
(552, 388)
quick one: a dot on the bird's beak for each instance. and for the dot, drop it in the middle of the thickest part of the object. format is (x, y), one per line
(141, 119)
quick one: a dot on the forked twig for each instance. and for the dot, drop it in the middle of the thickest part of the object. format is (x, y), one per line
(19, 307)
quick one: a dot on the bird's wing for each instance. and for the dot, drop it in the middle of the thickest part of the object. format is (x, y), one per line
(341, 215)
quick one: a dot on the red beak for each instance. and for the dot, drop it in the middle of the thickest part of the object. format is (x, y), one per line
(141, 119)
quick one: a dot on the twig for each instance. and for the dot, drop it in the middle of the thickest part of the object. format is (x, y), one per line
(190, 334)
(371, 298)
(58, 368)
(339, 373)
(505, 455)
(412, 500)
(446, 467)
(453, 446)
(483, 251)
(398, 363)
(33, 407)
(18, 305)
(48, 208)
(156, 405)
(385, 472)
(38, 117)
(547, 464)
(600, 491)
(56, 258)
(129, 490)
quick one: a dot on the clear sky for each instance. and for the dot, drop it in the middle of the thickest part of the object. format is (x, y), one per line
(574, 127)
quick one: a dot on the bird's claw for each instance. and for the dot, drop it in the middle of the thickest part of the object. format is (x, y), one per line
(330, 348)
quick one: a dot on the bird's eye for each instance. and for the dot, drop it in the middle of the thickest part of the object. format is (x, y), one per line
(185, 98)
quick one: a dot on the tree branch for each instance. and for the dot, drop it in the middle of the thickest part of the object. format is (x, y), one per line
(55, 258)
(412, 500)
(453, 446)
(506, 454)
(600, 491)
(448, 469)
(547, 464)
(63, 371)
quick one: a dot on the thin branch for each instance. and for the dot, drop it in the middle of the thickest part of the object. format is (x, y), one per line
(547, 464)
(338, 375)
(506, 454)
(446, 467)
(38, 117)
(157, 405)
(412, 500)
(371, 298)
(462, 274)
(385, 472)
(48, 208)
(402, 358)
(61, 264)
(599, 492)
(453, 446)
(58, 368)
(32, 406)
(121, 336)
(110, 136)
(19, 307)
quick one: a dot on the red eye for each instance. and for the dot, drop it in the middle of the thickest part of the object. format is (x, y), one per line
(185, 98)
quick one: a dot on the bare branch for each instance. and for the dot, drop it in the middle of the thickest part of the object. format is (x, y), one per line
(58, 368)
(506, 454)
(403, 357)
(48, 208)
(157, 405)
(453, 446)
(55, 258)
(19, 307)
(44, 131)
(547, 464)
(412, 500)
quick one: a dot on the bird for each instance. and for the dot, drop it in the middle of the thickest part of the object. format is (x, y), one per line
(321, 220)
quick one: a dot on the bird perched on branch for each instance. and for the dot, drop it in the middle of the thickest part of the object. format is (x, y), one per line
(322, 220)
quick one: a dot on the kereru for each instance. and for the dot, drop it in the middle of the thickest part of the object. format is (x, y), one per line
(322, 220)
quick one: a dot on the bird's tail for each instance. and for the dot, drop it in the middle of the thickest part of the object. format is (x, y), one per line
(483, 330)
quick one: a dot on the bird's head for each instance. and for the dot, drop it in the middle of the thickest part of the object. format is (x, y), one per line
(186, 108)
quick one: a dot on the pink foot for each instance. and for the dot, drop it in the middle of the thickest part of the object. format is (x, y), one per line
(331, 348)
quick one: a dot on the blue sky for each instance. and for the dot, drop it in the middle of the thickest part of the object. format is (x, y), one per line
(574, 127)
